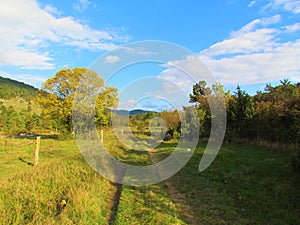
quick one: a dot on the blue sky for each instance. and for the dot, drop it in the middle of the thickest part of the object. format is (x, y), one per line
(246, 42)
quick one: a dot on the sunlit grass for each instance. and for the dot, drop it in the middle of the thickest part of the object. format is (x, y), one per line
(32, 195)
(148, 205)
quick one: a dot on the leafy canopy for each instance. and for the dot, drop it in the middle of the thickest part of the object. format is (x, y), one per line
(57, 96)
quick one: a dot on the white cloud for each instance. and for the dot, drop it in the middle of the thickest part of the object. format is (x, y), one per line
(258, 67)
(29, 30)
(253, 37)
(253, 54)
(252, 3)
(136, 51)
(52, 10)
(112, 59)
(81, 5)
(287, 5)
(127, 105)
(292, 28)
(176, 84)
(260, 40)
(155, 106)
(190, 69)
(253, 25)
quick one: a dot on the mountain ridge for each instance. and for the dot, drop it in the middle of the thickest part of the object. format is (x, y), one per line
(124, 112)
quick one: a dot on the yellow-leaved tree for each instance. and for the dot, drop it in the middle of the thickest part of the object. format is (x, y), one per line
(56, 98)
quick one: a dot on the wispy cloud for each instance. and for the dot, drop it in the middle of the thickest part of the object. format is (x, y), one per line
(52, 10)
(155, 106)
(112, 59)
(252, 3)
(292, 28)
(255, 24)
(127, 105)
(287, 5)
(81, 5)
(32, 29)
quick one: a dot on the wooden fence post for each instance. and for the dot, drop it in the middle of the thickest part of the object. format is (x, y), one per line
(37, 149)
(101, 136)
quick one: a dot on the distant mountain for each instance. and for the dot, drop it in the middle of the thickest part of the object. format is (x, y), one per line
(11, 88)
(132, 112)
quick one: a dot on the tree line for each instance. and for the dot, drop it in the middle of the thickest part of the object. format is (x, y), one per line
(271, 116)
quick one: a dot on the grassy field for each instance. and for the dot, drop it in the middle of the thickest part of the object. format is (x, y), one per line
(61, 190)
(244, 185)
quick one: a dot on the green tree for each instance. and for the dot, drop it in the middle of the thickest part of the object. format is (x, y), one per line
(190, 124)
(205, 97)
(14, 122)
(57, 95)
(277, 118)
(240, 112)
(3, 115)
(107, 99)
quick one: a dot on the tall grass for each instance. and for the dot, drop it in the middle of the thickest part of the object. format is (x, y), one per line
(34, 195)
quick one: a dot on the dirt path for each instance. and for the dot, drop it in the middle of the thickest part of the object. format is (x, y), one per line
(113, 208)
(180, 200)
(115, 200)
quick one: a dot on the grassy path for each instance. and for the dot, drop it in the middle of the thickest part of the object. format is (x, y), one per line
(144, 205)
(178, 198)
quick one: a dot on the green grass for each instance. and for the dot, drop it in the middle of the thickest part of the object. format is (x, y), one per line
(244, 185)
(33, 195)
(147, 205)
(142, 205)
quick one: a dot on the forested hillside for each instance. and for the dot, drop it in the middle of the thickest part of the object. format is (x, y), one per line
(18, 111)
(11, 89)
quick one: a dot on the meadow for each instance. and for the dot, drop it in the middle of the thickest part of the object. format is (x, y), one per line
(246, 184)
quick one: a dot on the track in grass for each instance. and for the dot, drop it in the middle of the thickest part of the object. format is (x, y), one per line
(115, 203)
(116, 196)
(180, 200)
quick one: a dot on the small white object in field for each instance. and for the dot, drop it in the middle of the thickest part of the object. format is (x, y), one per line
(188, 150)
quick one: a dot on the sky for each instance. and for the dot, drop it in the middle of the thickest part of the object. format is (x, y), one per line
(245, 42)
